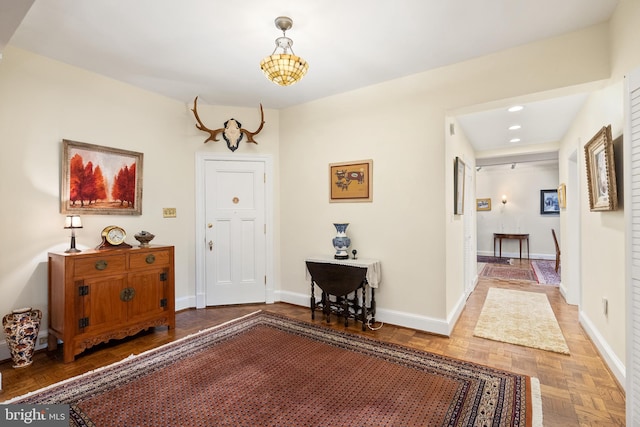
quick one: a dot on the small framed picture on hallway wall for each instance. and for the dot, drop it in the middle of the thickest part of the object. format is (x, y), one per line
(562, 196)
(601, 171)
(549, 204)
(483, 204)
(458, 186)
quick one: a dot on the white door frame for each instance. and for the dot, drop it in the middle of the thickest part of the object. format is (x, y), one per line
(200, 241)
(570, 235)
(470, 251)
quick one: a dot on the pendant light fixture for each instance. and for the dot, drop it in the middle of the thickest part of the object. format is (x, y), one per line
(284, 68)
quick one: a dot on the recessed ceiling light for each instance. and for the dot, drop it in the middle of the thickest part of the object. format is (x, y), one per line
(514, 127)
(515, 108)
(514, 140)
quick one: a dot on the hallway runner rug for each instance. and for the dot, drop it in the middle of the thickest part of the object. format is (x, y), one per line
(522, 318)
(268, 370)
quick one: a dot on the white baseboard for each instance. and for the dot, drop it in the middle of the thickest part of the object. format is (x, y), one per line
(398, 318)
(185, 302)
(608, 355)
(517, 255)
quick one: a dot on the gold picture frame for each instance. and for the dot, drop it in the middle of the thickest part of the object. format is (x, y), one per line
(562, 196)
(98, 180)
(458, 186)
(483, 204)
(601, 171)
(351, 181)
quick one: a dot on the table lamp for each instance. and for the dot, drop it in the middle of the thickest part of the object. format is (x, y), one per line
(73, 222)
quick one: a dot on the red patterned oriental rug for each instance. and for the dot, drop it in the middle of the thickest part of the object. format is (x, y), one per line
(508, 272)
(269, 370)
(546, 271)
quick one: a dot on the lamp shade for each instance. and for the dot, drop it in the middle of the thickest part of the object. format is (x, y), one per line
(284, 69)
(72, 221)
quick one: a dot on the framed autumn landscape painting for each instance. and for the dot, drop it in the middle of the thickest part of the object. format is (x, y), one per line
(100, 180)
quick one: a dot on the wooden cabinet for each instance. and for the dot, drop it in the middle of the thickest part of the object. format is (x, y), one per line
(99, 295)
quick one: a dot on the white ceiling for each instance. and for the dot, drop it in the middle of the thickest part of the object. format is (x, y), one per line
(213, 48)
(540, 122)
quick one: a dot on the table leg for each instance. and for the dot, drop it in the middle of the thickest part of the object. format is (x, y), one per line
(520, 240)
(528, 257)
(345, 308)
(313, 302)
(500, 246)
(325, 302)
(364, 305)
(372, 307)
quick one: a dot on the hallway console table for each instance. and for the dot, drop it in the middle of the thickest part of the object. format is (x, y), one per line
(501, 236)
(348, 287)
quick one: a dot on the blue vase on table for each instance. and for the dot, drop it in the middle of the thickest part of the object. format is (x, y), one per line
(341, 242)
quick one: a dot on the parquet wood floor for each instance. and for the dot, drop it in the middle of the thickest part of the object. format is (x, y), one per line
(577, 390)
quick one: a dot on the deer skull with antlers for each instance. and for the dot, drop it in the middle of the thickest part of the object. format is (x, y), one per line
(232, 132)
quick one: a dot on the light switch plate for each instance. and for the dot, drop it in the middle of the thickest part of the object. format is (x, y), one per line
(169, 212)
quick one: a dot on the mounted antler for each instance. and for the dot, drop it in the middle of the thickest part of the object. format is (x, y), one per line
(233, 127)
(213, 134)
(250, 135)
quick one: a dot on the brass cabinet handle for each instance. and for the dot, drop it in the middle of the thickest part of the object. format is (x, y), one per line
(101, 265)
(127, 294)
(151, 258)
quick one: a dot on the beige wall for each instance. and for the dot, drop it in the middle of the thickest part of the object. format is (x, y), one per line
(602, 234)
(521, 214)
(43, 102)
(461, 273)
(601, 247)
(400, 124)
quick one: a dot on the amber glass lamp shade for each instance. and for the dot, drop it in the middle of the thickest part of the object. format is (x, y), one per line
(284, 69)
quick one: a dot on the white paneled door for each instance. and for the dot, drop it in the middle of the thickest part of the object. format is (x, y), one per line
(235, 232)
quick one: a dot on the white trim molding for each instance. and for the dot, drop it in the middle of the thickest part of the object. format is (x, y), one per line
(614, 364)
(398, 318)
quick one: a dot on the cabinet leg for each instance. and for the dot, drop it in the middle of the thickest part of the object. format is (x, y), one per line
(52, 342)
(67, 353)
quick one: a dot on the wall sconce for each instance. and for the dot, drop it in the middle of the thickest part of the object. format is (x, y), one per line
(73, 222)
(504, 199)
